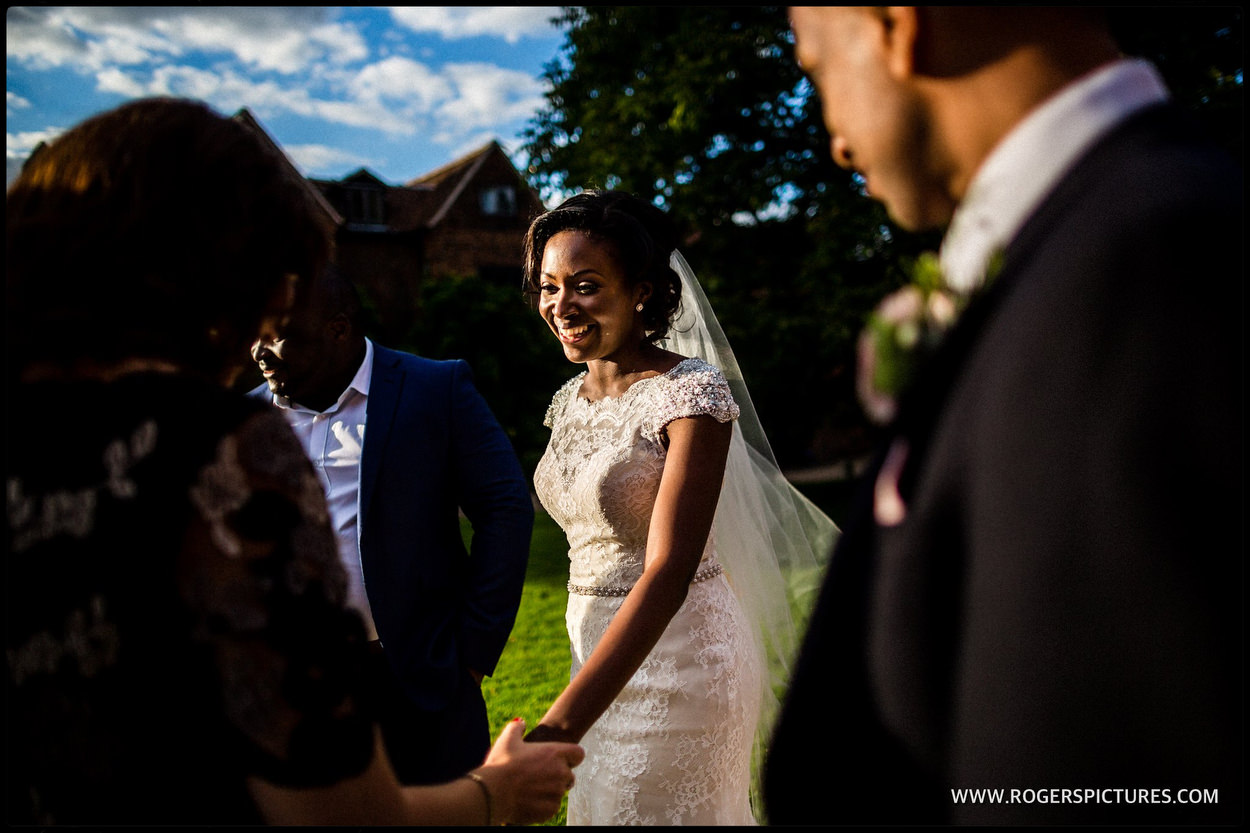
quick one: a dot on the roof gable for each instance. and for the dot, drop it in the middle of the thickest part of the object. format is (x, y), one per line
(425, 202)
(364, 177)
(245, 117)
(450, 182)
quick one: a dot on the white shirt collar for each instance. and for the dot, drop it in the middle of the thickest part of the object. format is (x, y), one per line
(359, 383)
(1033, 157)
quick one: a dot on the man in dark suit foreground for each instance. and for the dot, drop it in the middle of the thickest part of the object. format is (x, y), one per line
(1040, 594)
(402, 445)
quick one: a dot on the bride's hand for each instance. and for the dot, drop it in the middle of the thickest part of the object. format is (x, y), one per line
(527, 780)
(544, 733)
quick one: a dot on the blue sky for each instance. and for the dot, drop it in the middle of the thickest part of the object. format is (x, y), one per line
(397, 90)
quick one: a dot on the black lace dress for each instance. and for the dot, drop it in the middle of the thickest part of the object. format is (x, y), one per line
(174, 612)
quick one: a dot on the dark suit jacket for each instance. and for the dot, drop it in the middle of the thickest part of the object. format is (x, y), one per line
(1061, 606)
(433, 448)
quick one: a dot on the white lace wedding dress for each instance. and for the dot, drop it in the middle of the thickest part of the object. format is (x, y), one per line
(675, 746)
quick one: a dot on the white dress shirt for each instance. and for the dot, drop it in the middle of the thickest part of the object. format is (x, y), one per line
(333, 439)
(1033, 157)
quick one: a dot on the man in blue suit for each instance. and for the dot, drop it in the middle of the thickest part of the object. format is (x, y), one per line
(439, 615)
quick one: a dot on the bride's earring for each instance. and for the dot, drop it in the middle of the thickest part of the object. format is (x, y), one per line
(638, 308)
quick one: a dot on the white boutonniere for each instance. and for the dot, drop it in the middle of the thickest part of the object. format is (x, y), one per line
(904, 331)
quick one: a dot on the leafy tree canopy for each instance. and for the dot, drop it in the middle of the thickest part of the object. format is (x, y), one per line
(700, 107)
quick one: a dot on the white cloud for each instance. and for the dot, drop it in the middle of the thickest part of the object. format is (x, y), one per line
(85, 39)
(228, 91)
(343, 44)
(269, 38)
(365, 114)
(175, 80)
(278, 38)
(313, 158)
(488, 95)
(14, 102)
(401, 79)
(115, 80)
(38, 38)
(508, 22)
(17, 147)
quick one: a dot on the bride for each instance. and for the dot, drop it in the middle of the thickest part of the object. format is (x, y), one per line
(689, 553)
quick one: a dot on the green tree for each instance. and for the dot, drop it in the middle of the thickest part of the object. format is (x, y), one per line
(697, 106)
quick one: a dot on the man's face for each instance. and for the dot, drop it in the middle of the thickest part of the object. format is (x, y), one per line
(296, 361)
(877, 122)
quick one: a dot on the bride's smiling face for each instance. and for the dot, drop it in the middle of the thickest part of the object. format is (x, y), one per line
(586, 300)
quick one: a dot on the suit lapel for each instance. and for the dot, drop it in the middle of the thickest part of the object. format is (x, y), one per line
(920, 408)
(385, 386)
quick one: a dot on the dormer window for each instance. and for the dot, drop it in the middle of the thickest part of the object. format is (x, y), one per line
(498, 201)
(364, 205)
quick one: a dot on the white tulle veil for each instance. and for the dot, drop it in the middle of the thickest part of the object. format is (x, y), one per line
(773, 542)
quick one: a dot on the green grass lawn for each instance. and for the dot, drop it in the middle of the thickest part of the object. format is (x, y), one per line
(534, 667)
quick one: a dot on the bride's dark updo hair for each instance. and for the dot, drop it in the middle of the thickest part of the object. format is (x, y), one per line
(642, 238)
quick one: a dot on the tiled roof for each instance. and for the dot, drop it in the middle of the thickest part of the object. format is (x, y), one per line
(448, 182)
(420, 203)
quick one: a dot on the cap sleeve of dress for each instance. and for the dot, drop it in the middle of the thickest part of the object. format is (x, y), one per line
(693, 388)
(561, 400)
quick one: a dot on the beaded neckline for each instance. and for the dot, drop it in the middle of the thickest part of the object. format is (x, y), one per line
(629, 390)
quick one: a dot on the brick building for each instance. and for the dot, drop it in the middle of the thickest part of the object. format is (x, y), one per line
(467, 218)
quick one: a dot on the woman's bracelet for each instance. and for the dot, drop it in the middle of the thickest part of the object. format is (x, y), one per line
(490, 804)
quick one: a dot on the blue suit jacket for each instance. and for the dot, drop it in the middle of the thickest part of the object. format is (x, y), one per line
(432, 449)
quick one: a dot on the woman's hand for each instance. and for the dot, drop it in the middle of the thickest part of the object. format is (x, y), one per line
(527, 781)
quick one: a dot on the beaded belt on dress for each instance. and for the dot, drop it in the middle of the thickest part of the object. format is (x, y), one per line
(586, 590)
